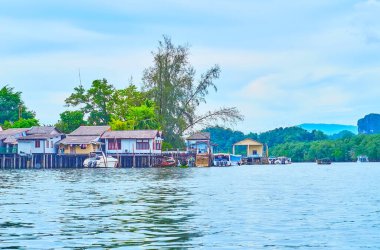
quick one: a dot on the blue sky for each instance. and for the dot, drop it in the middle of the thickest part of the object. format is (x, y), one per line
(283, 62)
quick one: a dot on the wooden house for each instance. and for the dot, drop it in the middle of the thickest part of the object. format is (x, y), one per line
(83, 140)
(199, 143)
(9, 139)
(133, 141)
(253, 147)
(39, 140)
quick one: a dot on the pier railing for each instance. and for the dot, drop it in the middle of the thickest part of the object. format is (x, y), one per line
(8, 150)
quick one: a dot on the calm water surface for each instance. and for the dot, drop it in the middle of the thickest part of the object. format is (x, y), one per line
(274, 207)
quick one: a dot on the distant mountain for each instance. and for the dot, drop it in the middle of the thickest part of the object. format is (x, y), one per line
(370, 124)
(329, 129)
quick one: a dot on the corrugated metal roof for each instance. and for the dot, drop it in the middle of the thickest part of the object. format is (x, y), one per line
(90, 130)
(131, 134)
(12, 131)
(38, 136)
(199, 136)
(79, 140)
(249, 142)
(10, 140)
(42, 130)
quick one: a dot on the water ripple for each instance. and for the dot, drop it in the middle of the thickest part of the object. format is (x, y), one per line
(296, 207)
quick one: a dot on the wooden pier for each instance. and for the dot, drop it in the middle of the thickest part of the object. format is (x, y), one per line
(52, 161)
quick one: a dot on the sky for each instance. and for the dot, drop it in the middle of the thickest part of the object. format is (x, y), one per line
(283, 62)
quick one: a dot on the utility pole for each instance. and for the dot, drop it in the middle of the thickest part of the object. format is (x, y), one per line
(19, 111)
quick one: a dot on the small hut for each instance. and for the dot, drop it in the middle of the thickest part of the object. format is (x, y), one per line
(253, 147)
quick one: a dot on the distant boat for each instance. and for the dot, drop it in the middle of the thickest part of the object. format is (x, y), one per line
(324, 161)
(100, 160)
(283, 160)
(362, 158)
(222, 159)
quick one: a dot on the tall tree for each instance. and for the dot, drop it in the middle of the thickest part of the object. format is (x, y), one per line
(126, 108)
(70, 120)
(10, 105)
(94, 102)
(171, 83)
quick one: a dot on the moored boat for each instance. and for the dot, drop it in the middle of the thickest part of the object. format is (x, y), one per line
(167, 162)
(99, 160)
(283, 160)
(226, 160)
(324, 161)
(362, 158)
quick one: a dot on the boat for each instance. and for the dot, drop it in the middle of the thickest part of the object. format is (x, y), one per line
(362, 158)
(167, 162)
(99, 160)
(222, 159)
(283, 160)
(324, 161)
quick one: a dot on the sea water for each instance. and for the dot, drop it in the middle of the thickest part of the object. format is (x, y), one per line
(274, 207)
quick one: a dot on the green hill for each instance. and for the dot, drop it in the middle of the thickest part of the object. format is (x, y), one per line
(329, 129)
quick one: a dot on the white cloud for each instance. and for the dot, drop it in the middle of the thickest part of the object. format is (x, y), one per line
(283, 63)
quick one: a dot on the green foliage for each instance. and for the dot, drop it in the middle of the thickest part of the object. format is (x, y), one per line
(70, 120)
(225, 138)
(137, 117)
(290, 134)
(10, 102)
(167, 146)
(301, 145)
(171, 83)
(344, 149)
(122, 109)
(22, 123)
(342, 134)
(124, 99)
(96, 102)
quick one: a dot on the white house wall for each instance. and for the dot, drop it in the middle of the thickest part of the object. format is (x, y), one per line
(25, 147)
(28, 146)
(129, 146)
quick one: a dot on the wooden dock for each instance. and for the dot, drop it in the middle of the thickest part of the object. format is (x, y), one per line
(52, 161)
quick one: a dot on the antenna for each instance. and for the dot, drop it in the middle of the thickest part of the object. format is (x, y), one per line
(80, 78)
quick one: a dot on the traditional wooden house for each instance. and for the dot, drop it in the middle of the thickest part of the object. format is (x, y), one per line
(39, 140)
(8, 139)
(132, 141)
(253, 147)
(83, 140)
(199, 143)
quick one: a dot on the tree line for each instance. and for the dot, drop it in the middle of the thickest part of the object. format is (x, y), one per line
(301, 145)
(169, 100)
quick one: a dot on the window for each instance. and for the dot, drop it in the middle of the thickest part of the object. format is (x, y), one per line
(37, 143)
(142, 144)
(158, 145)
(51, 144)
(83, 146)
(114, 144)
(47, 144)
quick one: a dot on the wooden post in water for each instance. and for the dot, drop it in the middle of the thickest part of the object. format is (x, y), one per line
(14, 161)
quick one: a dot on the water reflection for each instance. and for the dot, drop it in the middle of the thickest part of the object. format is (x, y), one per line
(246, 207)
(83, 208)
